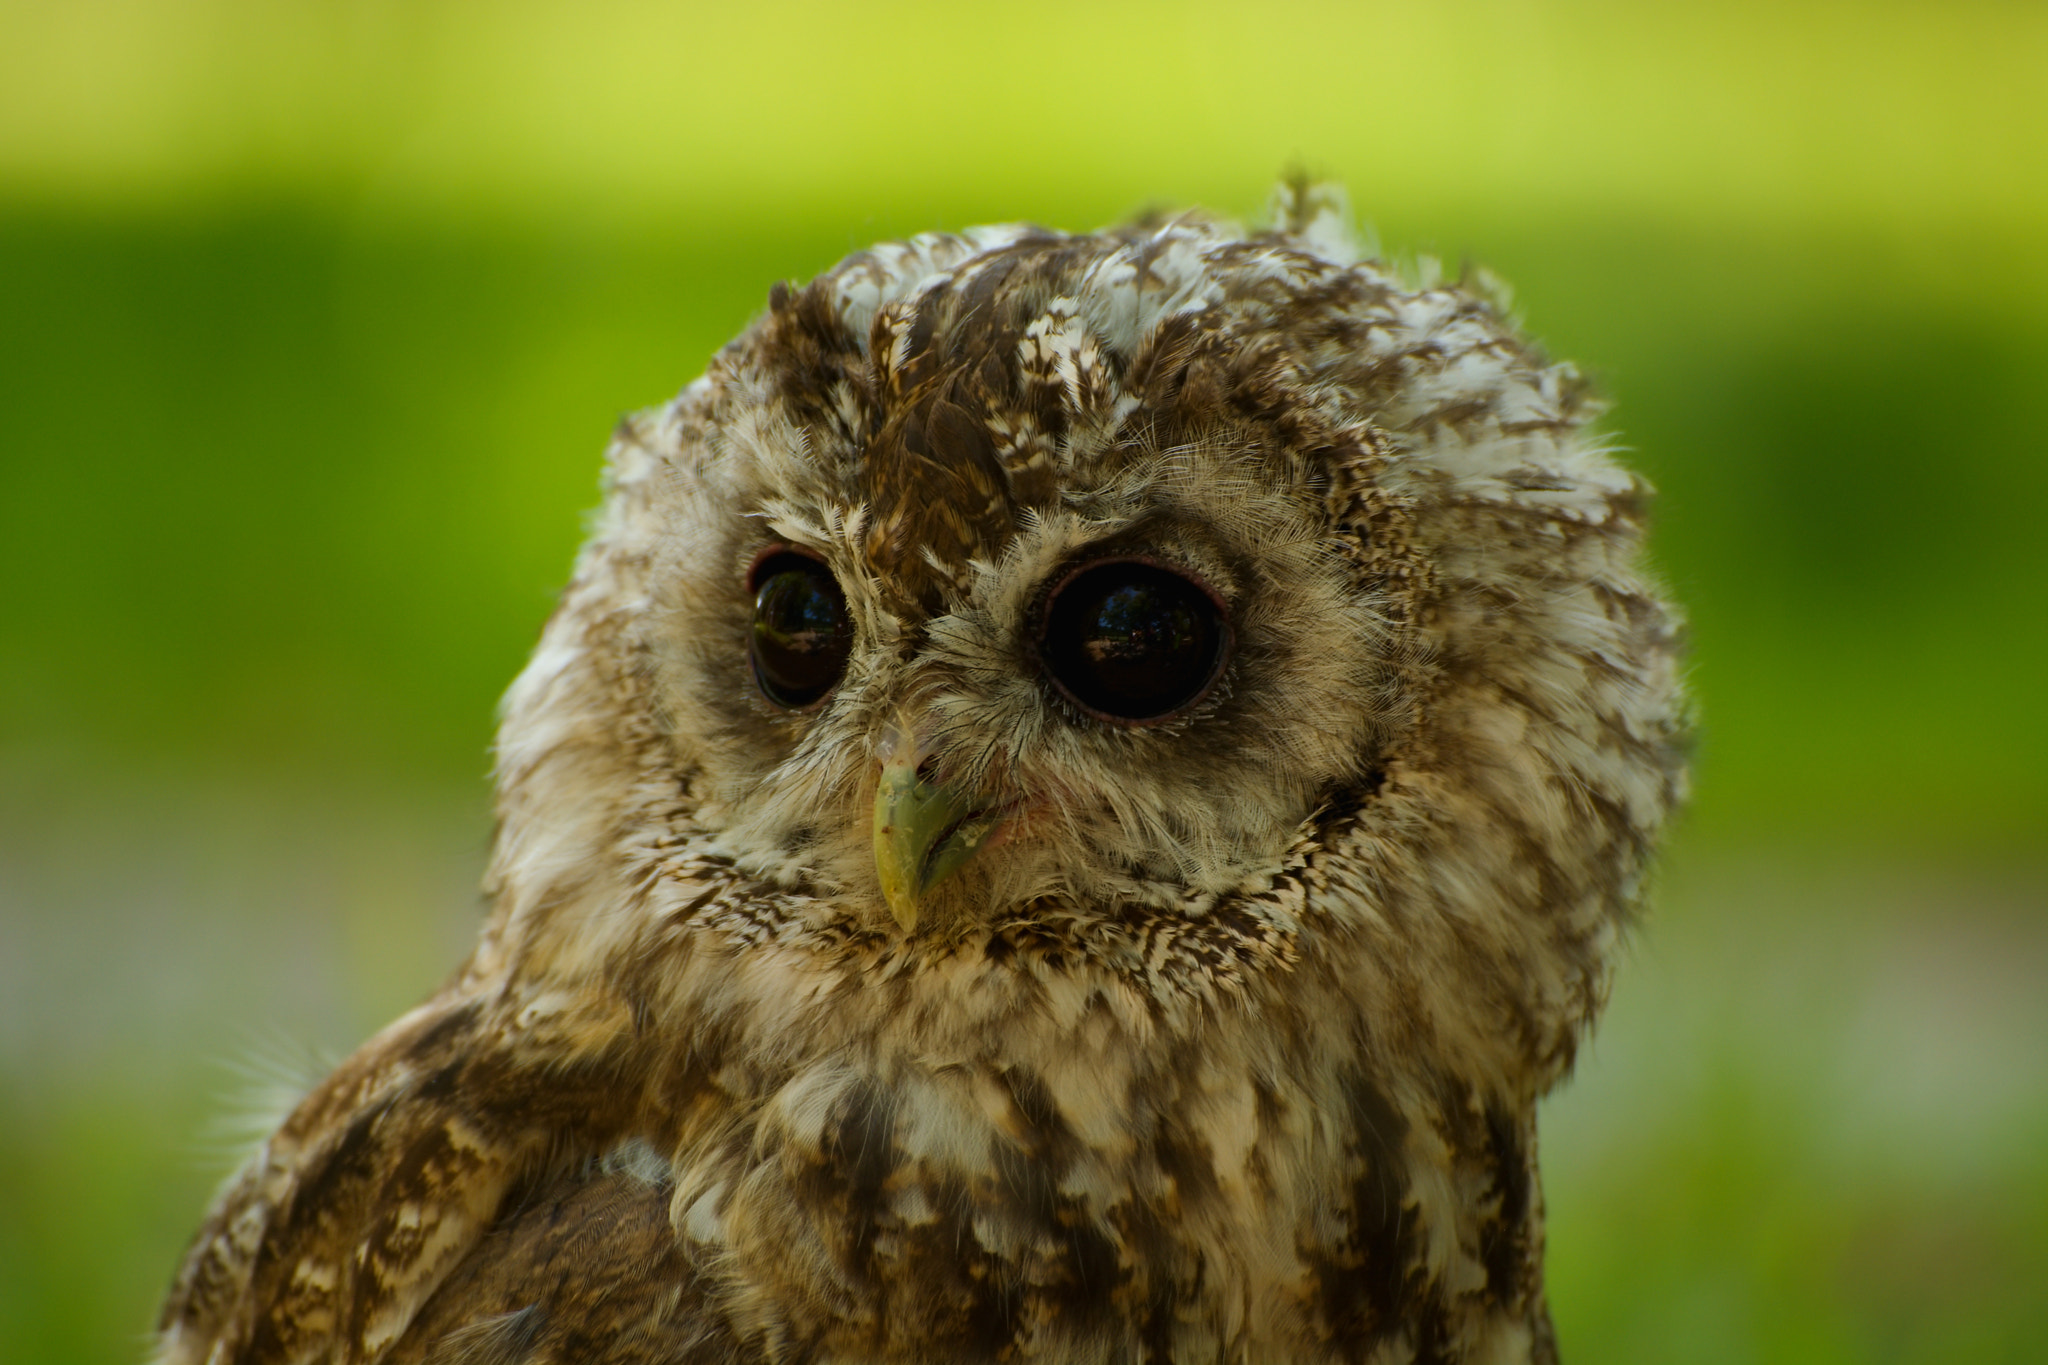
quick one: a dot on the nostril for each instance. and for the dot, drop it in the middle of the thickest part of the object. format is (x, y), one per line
(928, 770)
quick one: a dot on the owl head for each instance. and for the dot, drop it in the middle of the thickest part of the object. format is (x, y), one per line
(1019, 577)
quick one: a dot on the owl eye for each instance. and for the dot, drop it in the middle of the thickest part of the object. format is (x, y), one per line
(802, 633)
(1129, 641)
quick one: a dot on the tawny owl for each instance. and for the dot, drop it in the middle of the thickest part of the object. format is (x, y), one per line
(1081, 790)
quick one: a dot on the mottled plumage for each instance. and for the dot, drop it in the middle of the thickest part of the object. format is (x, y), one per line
(1225, 1040)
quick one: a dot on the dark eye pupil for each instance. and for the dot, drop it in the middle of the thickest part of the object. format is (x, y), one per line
(801, 633)
(1132, 641)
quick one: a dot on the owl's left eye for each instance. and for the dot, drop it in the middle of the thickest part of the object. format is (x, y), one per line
(1133, 642)
(802, 633)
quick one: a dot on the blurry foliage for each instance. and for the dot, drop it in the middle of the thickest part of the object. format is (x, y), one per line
(314, 318)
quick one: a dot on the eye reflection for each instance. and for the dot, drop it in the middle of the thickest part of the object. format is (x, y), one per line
(1131, 641)
(802, 633)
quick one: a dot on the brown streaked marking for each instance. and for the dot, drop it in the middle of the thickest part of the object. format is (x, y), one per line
(1504, 1236)
(1081, 1287)
(1366, 1284)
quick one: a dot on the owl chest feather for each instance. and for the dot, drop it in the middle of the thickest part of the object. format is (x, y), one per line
(1015, 1157)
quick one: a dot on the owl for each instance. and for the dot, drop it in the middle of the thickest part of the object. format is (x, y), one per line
(1082, 788)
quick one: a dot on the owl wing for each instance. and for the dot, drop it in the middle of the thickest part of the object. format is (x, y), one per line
(435, 1199)
(587, 1268)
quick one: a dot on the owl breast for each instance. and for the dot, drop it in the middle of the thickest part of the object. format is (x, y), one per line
(1174, 1139)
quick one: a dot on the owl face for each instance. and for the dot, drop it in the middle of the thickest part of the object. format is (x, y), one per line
(1129, 672)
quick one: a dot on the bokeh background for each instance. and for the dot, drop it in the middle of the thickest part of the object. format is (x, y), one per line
(314, 317)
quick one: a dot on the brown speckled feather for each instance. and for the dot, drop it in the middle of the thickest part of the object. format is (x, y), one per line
(1228, 1048)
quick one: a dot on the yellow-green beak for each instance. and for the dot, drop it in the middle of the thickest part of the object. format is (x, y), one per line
(924, 831)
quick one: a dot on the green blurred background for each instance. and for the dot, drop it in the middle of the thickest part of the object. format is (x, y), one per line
(314, 318)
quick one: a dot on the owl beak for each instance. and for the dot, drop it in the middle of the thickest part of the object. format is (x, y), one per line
(924, 831)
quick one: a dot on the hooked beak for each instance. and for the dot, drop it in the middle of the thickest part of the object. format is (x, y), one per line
(924, 831)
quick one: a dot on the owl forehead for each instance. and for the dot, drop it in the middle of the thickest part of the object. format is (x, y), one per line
(956, 388)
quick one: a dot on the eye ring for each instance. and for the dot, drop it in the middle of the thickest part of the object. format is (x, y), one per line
(775, 549)
(1066, 663)
(800, 636)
